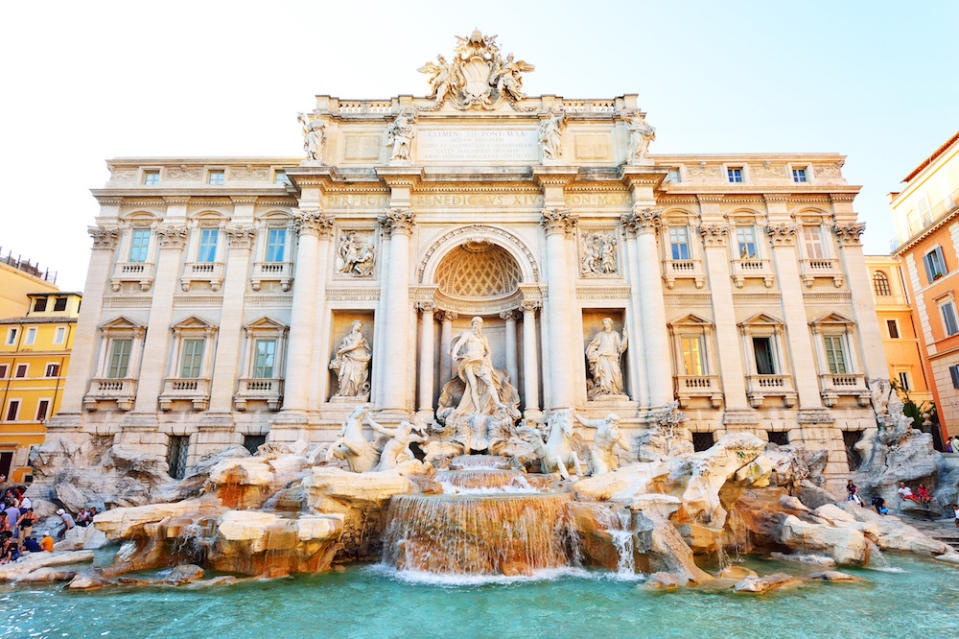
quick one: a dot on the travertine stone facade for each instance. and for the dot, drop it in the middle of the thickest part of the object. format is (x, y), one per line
(737, 280)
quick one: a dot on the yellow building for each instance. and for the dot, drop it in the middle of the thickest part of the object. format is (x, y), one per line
(34, 356)
(18, 278)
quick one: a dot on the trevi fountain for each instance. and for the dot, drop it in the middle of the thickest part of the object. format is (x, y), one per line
(480, 514)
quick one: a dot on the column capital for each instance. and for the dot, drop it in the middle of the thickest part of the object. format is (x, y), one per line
(508, 315)
(781, 234)
(559, 221)
(398, 221)
(849, 234)
(104, 237)
(425, 307)
(240, 236)
(531, 306)
(642, 220)
(714, 234)
(172, 236)
(313, 222)
(448, 315)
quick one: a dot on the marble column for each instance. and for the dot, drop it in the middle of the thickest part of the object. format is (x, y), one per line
(511, 365)
(427, 356)
(636, 351)
(530, 364)
(559, 305)
(396, 343)
(863, 308)
(446, 342)
(311, 224)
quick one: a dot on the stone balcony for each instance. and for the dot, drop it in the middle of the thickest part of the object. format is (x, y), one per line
(141, 273)
(810, 269)
(122, 391)
(833, 386)
(759, 387)
(683, 269)
(688, 387)
(259, 389)
(281, 272)
(750, 268)
(209, 272)
(194, 389)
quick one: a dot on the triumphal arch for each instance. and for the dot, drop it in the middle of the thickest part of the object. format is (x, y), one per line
(468, 259)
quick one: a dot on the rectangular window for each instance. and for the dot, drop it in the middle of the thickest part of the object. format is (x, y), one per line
(177, 455)
(280, 177)
(11, 336)
(694, 356)
(31, 336)
(60, 304)
(812, 236)
(190, 365)
(904, 383)
(893, 327)
(139, 244)
(22, 370)
(216, 177)
(60, 336)
(119, 358)
(39, 305)
(765, 358)
(3, 370)
(954, 373)
(746, 237)
(799, 175)
(948, 312)
(679, 242)
(275, 245)
(151, 177)
(835, 354)
(674, 176)
(208, 238)
(43, 406)
(935, 264)
(13, 410)
(53, 370)
(265, 358)
(735, 174)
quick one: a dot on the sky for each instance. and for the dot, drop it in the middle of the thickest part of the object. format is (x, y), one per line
(87, 81)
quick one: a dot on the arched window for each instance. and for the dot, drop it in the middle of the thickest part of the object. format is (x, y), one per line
(880, 283)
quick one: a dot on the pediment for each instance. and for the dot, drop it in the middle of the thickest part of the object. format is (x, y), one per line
(691, 320)
(832, 319)
(121, 323)
(761, 319)
(193, 322)
(265, 324)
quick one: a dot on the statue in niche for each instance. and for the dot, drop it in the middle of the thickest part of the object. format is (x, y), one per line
(400, 134)
(396, 450)
(597, 254)
(314, 137)
(602, 459)
(640, 135)
(475, 366)
(356, 256)
(351, 365)
(604, 354)
(550, 134)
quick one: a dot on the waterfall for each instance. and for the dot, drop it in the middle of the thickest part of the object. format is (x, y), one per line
(477, 481)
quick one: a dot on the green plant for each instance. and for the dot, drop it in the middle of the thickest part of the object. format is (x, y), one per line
(914, 411)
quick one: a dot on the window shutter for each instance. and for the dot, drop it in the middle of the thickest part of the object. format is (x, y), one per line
(942, 261)
(927, 262)
(954, 373)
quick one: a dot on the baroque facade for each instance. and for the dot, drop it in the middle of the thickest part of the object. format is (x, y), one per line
(258, 298)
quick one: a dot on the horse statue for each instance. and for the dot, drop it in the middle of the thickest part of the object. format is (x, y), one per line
(352, 445)
(556, 454)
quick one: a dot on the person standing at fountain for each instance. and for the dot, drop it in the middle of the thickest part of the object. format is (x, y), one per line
(351, 364)
(604, 353)
(476, 365)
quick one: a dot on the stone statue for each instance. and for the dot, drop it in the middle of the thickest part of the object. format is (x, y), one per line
(597, 254)
(472, 351)
(314, 137)
(400, 134)
(604, 353)
(550, 133)
(397, 449)
(640, 135)
(608, 436)
(352, 446)
(356, 257)
(506, 78)
(351, 365)
(556, 454)
(443, 77)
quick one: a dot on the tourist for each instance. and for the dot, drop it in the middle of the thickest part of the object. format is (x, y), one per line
(955, 512)
(47, 543)
(13, 516)
(26, 503)
(853, 493)
(83, 518)
(905, 493)
(9, 548)
(880, 505)
(93, 513)
(26, 522)
(947, 447)
(68, 523)
(923, 495)
(30, 544)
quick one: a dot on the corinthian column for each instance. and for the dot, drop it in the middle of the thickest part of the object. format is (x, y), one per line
(559, 306)
(398, 223)
(511, 368)
(311, 225)
(446, 341)
(427, 352)
(530, 363)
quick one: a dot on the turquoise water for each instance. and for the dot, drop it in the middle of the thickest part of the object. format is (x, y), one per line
(370, 603)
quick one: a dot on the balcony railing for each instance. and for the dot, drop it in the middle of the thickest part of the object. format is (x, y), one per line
(191, 389)
(810, 269)
(140, 272)
(835, 385)
(759, 387)
(683, 269)
(752, 268)
(281, 272)
(122, 391)
(269, 390)
(210, 272)
(691, 386)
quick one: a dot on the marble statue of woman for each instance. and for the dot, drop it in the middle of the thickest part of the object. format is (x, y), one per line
(351, 365)
(472, 351)
(550, 131)
(640, 135)
(400, 134)
(601, 456)
(314, 136)
(604, 354)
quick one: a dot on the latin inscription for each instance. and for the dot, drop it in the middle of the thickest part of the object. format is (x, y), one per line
(477, 145)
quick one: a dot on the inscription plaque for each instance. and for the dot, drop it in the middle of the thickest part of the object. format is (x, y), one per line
(477, 145)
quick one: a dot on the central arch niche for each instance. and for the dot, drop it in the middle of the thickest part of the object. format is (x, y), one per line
(478, 270)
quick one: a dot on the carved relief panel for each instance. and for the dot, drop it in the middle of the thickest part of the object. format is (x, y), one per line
(355, 253)
(598, 253)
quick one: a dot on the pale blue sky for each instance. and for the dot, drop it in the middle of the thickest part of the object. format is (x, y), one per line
(87, 81)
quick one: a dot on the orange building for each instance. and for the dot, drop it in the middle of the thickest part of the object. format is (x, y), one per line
(926, 214)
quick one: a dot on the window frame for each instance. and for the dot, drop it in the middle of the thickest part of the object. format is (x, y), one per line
(703, 360)
(948, 303)
(13, 401)
(272, 232)
(60, 335)
(881, 286)
(831, 362)
(31, 338)
(3, 371)
(216, 177)
(818, 242)
(684, 229)
(905, 380)
(12, 333)
(56, 369)
(40, 304)
(151, 177)
(258, 368)
(48, 404)
(800, 172)
(194, 359)
(892, 326)
(21, 367)
(139, 251)
(206, 252)
(935, 260)
(755, 242)
(737, 171)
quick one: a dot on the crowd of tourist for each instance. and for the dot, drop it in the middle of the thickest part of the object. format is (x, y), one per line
(921, 497)
(17, 520)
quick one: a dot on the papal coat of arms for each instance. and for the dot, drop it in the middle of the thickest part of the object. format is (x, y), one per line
(478, 76)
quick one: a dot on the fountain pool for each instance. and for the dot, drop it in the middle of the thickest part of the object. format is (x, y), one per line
(370, 602)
